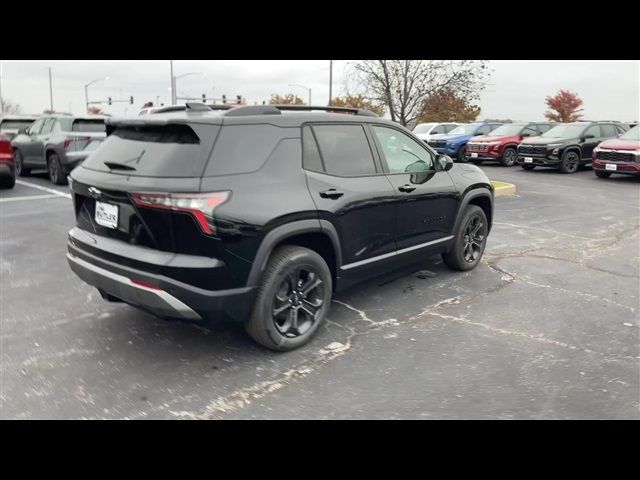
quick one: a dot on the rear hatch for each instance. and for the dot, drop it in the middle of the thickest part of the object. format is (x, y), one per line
(142, 187)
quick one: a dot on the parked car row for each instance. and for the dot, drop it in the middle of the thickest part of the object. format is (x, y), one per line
(609, 146)
(56, 142)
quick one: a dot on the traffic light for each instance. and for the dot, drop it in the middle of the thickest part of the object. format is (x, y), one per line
(131, 100)
(109, 100)
(239, 99)
(224, 99)
(204, 98)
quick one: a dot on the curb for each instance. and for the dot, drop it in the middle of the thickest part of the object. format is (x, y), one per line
(503, 188)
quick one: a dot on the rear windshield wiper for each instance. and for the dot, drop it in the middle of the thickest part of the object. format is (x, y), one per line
(120, 166)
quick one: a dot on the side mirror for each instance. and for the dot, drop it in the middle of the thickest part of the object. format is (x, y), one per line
(23, 131)
(444, 162)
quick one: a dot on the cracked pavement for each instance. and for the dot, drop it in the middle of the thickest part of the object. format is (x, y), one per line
(546, 327)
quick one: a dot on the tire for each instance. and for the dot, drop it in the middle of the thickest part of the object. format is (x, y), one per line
(527, 166)
(8, 182)
(601, 174)
(56, 172)
(509, 157)
(461, 154)
(570, 162)
(21, 170)
(289, 271)
(465, 255)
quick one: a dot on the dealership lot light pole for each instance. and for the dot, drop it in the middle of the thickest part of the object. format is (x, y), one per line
(86, 91)
(302, 86)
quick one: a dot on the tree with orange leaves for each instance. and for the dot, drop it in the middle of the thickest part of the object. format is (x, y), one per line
(564, 107)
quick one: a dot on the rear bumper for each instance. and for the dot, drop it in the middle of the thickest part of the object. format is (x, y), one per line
(159, 294)
(72, 159)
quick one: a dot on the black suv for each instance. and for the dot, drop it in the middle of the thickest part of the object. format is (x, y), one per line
(260, 213)
(566, 146)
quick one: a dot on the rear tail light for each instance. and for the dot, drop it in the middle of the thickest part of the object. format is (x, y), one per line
(199, 205)
(74, 140)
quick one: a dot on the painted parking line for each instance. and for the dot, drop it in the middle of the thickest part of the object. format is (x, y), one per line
(44, 189)
(29, 197)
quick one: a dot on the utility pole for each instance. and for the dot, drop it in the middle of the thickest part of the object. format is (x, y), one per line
(1, 100)
(330, 81)
(173, 85)
(50, 91)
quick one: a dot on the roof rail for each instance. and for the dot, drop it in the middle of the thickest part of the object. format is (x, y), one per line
(277, 110)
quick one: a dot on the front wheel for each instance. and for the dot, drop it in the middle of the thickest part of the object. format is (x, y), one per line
(570, 162)
(293, 300)
(470, 240)
(601, 174)
(509, 157)
(461, 154)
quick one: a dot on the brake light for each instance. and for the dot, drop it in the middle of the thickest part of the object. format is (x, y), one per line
(69, 141)
(199, 205)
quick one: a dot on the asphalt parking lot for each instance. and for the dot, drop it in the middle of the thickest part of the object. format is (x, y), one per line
(545, 328)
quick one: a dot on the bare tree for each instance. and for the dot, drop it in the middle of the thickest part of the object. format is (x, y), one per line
(404, 85)
(9, 107)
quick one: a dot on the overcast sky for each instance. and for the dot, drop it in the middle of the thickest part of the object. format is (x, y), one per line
(516, 89)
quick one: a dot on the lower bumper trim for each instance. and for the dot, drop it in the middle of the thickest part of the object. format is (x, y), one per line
(122, 287)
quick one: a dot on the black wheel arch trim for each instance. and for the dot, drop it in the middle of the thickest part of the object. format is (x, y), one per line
(288, 230)
(475, 192)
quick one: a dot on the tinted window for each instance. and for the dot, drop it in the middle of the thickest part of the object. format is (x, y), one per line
(543, 127)
(401, 153)
(594, 130)
(484, 130)
(155, 151)
(82, 125)
(345, 150)
(245, 148)
(46, 127)
(310, 154)
(608, 130)
(449, 127)
(531, 131)
(438, 129)
(35, 128)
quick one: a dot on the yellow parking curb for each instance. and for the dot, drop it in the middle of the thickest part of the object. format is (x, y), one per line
(503, 188)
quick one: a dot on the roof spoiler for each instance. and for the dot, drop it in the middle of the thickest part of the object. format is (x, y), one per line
(278, 109)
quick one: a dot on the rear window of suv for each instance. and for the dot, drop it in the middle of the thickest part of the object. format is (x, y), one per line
(172, 150)
(88, 126)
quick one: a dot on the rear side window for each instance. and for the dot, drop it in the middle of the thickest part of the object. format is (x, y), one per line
(531, 131)
(593, 130)
(608, 130)
(485, 129)
(543, 127)
(155, 151)
(245, 148)
(311, 159)
(46, 127)
(81, 125)
(345, 150)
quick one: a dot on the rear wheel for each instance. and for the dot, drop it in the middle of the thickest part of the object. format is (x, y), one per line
(56, 172)
(570, 162)
(293, 300)
(509, 157)
(527, 166)
(21, 170)
(601, 174)
(470, 241)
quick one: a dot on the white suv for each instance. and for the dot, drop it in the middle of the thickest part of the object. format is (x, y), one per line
(424, 130)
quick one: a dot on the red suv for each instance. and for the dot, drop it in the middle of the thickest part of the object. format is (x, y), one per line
(501, 144)
(618, 155)
(7, 167)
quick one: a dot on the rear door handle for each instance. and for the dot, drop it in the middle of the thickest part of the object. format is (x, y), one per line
(331, 193)
(406, 188)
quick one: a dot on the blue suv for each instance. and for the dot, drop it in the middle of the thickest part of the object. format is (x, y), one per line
(454, 143)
